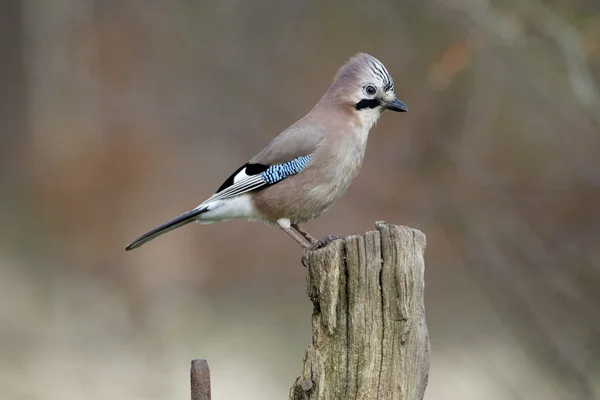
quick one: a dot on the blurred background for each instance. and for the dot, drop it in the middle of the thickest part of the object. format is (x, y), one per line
(117, 115)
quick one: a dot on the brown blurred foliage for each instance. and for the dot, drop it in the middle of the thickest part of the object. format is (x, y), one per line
(118, 115)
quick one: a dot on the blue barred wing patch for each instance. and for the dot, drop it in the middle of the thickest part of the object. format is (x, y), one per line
(275, 173)
(257, 176)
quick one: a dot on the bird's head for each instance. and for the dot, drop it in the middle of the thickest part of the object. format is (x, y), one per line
(364, 84)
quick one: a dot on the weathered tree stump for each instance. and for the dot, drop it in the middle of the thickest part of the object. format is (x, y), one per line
(370, 338)
(369, 334)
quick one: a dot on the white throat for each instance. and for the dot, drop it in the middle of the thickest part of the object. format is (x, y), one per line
(369, 117)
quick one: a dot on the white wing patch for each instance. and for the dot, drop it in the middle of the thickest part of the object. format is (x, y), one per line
(246, 184)
(240, 175)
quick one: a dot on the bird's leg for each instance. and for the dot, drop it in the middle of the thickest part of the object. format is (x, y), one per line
(305, 234)
(287, 228)
(297, 237)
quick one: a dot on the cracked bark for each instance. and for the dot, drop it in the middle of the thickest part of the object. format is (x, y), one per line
(369, 333)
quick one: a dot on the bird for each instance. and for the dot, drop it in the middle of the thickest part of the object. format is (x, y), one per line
(307, 167)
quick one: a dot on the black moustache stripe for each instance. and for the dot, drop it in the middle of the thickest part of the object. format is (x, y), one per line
(367, 103)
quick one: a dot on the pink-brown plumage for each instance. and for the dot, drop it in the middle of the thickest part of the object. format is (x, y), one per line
(332, 137)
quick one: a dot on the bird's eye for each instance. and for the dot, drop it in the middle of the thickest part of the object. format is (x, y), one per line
(370, 90)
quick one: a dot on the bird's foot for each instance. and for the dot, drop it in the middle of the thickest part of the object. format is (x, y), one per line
(324, 242)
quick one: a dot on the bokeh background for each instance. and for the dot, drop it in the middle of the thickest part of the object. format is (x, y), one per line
(118, 115)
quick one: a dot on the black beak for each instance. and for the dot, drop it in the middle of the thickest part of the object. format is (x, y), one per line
(395, 105)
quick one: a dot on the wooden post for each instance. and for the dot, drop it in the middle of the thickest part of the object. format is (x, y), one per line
(200, 380)
(369, 336)
(369, 339)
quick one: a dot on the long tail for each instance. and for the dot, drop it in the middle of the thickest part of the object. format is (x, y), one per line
(182, 220)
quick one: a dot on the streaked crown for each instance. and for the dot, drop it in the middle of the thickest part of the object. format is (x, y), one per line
(365, 84)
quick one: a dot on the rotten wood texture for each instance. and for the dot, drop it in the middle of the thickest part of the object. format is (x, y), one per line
(369, 339)
(200, 380)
